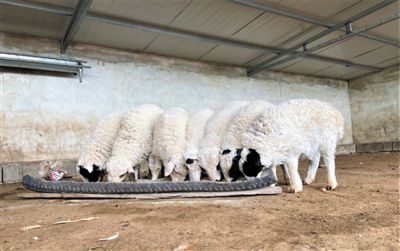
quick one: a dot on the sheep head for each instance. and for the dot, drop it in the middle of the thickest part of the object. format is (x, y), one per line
(209, 161)
(251, 163)
(90, 172)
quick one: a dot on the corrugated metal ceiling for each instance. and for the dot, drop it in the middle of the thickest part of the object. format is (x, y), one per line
(221, 18)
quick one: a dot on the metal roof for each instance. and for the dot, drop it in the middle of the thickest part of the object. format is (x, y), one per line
(225, 20)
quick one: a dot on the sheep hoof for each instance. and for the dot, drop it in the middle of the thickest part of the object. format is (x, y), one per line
(328, 187)
(308, 181)
(291, 189)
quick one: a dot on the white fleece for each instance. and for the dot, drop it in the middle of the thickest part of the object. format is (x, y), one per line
(214, 131)
(232, 139)
(194, 135)
(98, 149)
(294, 128)
(169, 144)
(134, 141)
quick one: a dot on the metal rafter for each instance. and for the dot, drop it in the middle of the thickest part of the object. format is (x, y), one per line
(267, 64)
(77, 17)
(308, 19)
(166, 30)
(333, 41)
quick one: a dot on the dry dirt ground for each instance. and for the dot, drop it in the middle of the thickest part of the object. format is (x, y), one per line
(363, 214)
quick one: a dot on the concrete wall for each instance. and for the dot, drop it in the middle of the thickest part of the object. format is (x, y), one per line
(374, 103)
(48, 116)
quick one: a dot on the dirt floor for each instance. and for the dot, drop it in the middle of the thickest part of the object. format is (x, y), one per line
(362, 214)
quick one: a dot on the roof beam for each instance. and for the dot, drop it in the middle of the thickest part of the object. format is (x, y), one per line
(166, 30)
(308, 19)
(342, 24)
(73, 26)
(327, 43)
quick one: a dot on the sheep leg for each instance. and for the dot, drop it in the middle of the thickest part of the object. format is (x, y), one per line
(155, 167)
(312, 169)
(136, 172)
(286, 175)
(329, 161)
(296, 185)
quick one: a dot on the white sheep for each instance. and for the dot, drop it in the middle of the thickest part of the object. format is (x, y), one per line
(232, 140)
(169, 145)
(133, 143)
(213, 134)
(286, 132)
(194, 134)
(95, 153)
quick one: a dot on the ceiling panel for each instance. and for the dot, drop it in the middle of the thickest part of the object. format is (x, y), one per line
(263, 57)
(220, 18)
(355, 74)
(159, 12)
(154, 12)
(389, 63)
(388, 30)
(63, 3)
(379, 55)
(230, 55)
(113, 36)
(217, 18)
(179, 47)
(334, 71)
(307, 66)
(32, 22)
(350, 48)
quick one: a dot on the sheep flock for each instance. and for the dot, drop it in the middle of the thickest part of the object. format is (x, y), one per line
(241, 141)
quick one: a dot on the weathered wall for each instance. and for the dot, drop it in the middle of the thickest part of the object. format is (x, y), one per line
(375, 107)
(48, 116)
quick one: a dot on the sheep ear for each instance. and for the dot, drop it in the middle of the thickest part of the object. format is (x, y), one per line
(169, 168)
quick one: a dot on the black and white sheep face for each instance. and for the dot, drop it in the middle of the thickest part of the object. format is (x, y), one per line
(229, 161)
(91, 174)
(252, 164)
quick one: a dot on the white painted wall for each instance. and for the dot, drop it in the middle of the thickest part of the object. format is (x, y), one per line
(48, 116)
(375, 107)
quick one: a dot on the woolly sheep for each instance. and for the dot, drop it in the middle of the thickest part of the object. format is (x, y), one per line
(194, 134)
(93, 157)
(134, 141)
(169, 145)
(300, 127)
(232, 140)
(213, 134)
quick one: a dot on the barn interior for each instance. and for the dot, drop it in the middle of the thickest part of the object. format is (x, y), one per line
(64, 64)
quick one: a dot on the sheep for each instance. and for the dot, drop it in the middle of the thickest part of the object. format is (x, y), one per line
(232, 140)
(169, 145)
(91, 163)
(293, 129)
(194, 134)
(211, 143)
(133, 143)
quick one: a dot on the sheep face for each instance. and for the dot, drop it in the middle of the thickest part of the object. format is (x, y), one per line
(194, 169)
(179, 173)
(226, 161)
(118, 176)
(251, 163)
(230, 164)
(175, 168)
(209, 161)
(91, 173)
